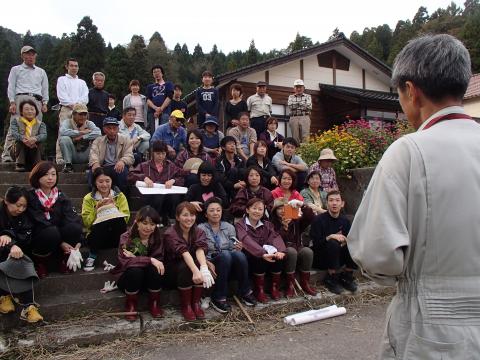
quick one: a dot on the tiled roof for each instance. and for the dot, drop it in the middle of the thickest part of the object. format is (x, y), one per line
(360, 94)
(473, 89)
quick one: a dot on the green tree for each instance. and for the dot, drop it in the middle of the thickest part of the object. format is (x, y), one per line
(421, 17)
(253, 55)
(118, 68)
(137, 52)
(7, 60)
(28, 39)
(470, 36)
(299, 43)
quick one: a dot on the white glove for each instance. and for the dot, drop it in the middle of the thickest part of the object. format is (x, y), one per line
(207, 277)
(107, 266)
(75, 259)
(109, 286)
(295, 203)
(270, 249)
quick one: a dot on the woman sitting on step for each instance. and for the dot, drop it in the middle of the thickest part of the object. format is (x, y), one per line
(298, 256)
(105, 215)
(226, 256)
(57, 226)
(15, 243)
(140, 262)
(264, 248)
(186, 246)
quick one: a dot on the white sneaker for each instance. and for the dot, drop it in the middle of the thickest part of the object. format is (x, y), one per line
(89, 264)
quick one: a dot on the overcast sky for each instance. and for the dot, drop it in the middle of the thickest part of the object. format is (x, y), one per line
(231, 25)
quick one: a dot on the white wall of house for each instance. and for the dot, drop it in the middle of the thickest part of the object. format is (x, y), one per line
(350, 78)
(285, 75)
(472, 106)
(254, 77)
(314, 74)
(373, 83)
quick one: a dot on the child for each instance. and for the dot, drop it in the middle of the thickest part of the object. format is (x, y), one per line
(177, 103)
(212, 136)
(207, 99)
(29, 133)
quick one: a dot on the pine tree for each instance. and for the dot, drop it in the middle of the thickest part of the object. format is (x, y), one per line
(118, 69)
(137, 52)
(252, 55)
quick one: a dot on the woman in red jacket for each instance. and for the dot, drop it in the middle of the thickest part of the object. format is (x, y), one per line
(140, 262)
(286, 188)
(264, 248)
(186, 247)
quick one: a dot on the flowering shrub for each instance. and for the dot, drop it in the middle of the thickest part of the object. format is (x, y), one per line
(355, 144)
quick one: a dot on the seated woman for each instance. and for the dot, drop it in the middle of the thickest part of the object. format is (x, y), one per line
(15, 242)
(159, 170)
(260, 159)
(312, 195)
(105, 215)
(225, 253)
(272, 137)
(286, 189)
(193, 149)
(264, 248)
(298, 256)
(56, 225)
(186, 246)
(206, 188)
(28, 133)
(140, 262)
(253, 189)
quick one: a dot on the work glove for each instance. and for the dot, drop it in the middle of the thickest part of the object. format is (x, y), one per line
(107, 266)
(270, 249)
(109, 286)
(295, 203)
(207, 277)
(75, 260)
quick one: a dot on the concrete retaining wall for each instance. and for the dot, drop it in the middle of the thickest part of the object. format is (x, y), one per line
(354, 187)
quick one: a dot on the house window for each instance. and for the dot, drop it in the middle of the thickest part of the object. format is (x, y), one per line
(279, 111)
(330, 58)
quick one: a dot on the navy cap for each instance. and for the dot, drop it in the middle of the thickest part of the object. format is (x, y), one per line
(210, 119)
(110, 121)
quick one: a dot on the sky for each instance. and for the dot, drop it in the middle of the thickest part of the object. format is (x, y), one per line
(229, 24)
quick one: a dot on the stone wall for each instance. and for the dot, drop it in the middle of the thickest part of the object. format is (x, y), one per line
(354, 187)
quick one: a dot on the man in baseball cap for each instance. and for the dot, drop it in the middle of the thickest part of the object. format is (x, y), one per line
(260, 107)
(172, 133)
(300, 105)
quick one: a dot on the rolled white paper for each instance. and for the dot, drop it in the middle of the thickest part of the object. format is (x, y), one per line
(289, 317)
(315, 315)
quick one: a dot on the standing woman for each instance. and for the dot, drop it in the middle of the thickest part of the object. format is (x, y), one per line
(298, 256)
(57, 226)
(234, 106)
(140, 262)
(15, 242)
(272, 138)
(105, 215)
(312, 194)
(186, 247)
(225, 253)
(264, 248)
(253, 189)
(159, 170)
(260, 159)
(286, 189)
(137, 101)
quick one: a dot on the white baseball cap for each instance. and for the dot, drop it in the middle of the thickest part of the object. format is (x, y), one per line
(298, 82)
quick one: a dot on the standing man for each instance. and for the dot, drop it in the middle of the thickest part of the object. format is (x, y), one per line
(98, 100)
(207, 99)
(300, 105)
(71, 90)
(260, 107)
(159, 96)
(25, 82)
(418, 225)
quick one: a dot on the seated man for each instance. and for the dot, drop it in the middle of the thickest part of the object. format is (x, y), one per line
(139, 137)
(230, 167)
(245, 136)
(172, 133)
(287, 159)
(113, 152)
(329, 235)
(76, 136)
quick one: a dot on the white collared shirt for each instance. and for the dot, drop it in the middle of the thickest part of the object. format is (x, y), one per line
(444, 111)
(71, 90)
(27, 79)
(259, 223)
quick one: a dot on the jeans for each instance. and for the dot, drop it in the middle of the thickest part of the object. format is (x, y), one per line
(69, 152)
(226, 263)
(151, 126)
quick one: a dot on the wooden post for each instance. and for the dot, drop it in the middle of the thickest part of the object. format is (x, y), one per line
(301, 70)
(242, 308)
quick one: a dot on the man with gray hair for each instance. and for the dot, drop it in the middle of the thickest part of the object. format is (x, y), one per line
(25, 82)
(418, 225)
(98, 100)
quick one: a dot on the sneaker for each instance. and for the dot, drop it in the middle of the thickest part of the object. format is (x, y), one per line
(249, 299)
(20, 168)
(68, 168)
(332, 283)
(347, 280)
(6, 304)
(89, 264)
(222, 307)
(31, 314)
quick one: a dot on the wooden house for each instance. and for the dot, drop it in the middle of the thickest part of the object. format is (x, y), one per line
(471, 100)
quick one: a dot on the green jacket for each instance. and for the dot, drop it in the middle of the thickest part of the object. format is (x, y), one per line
(89, 208)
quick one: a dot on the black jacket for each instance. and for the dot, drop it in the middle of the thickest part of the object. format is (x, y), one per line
(61, 214)
(267, 170)
(19, 228)
(228, 176)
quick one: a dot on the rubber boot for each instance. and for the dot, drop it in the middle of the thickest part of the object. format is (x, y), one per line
(154, 304)
(41, 265)
(197, 309)
(186, 304)
(290, 291)
(275, 293)
(305, 283)
(131, 306)
(258, 284)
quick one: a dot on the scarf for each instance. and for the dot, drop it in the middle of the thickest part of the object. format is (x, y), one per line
(28, 125)
(47, 201)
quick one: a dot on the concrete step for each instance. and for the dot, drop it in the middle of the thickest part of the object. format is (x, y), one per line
(71, 190)
(12, 177)
(76, 167)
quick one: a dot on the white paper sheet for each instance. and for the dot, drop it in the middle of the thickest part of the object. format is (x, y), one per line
(159, 189)
(315, 315)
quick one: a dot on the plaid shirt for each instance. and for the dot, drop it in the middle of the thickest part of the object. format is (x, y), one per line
(328, 179)
(300, 105)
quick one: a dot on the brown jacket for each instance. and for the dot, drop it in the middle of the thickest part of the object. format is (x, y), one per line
(176, 245)
(99, 148)
(148, 169)
(253, 239)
